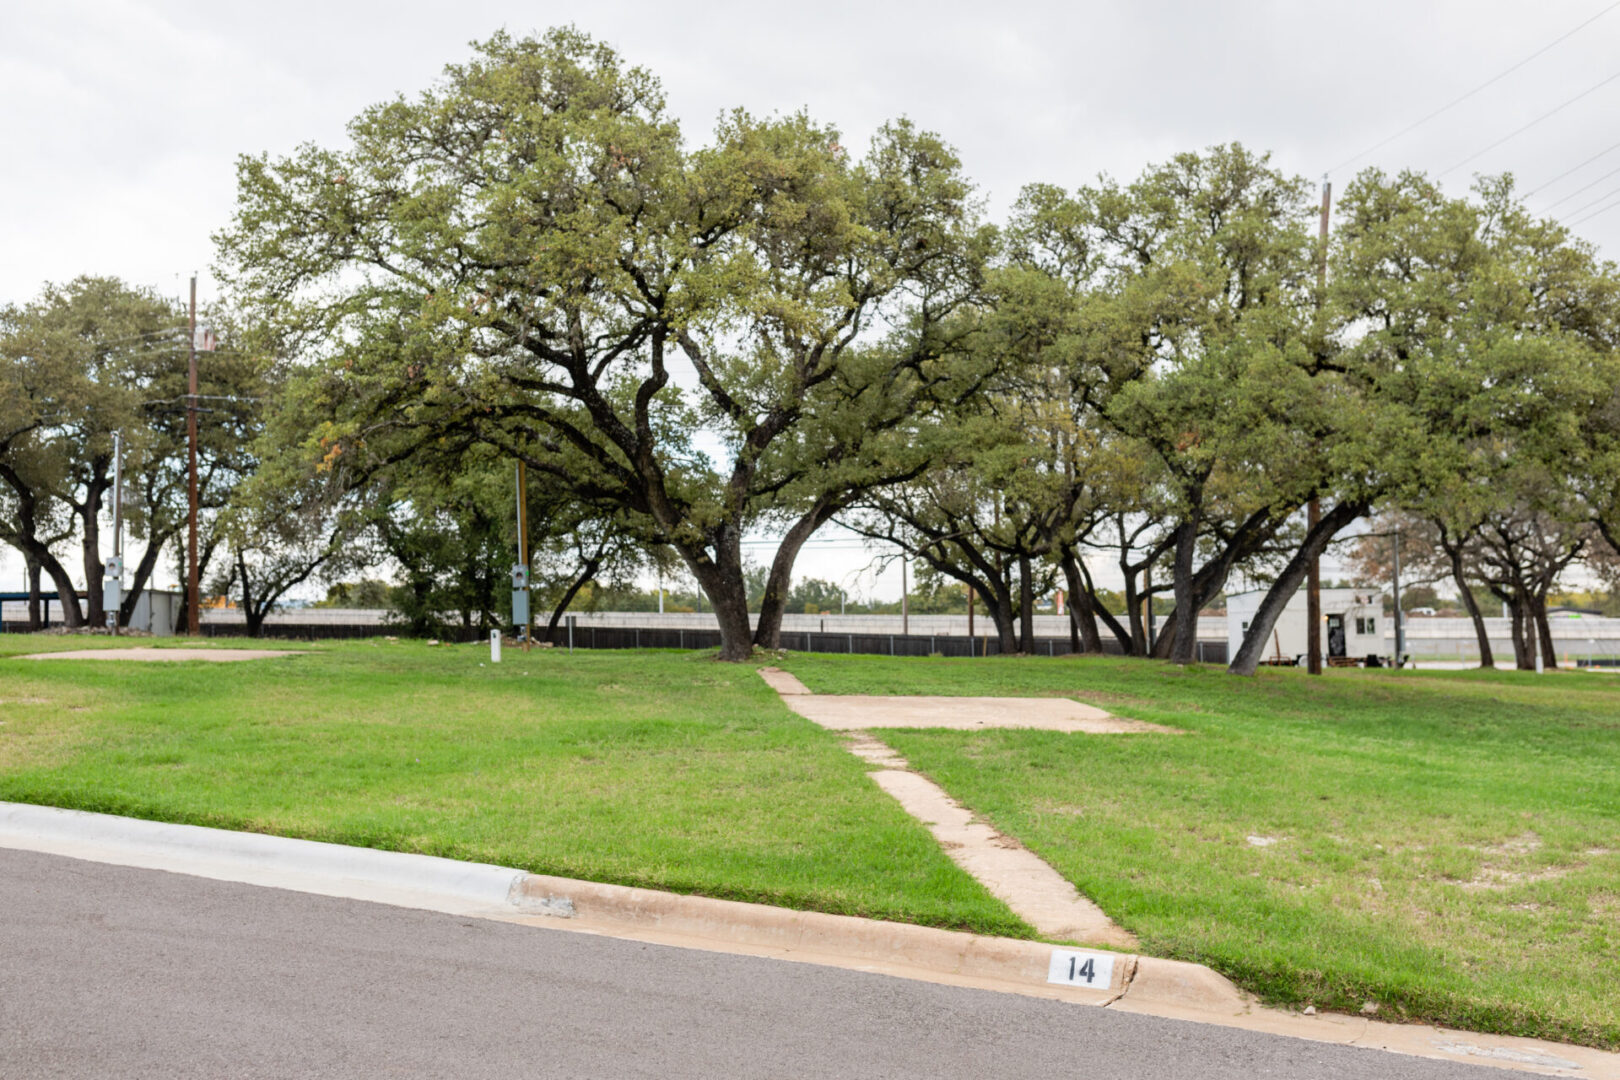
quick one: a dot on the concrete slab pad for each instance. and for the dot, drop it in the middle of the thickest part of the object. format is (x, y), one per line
(143, 653)
(858, 712)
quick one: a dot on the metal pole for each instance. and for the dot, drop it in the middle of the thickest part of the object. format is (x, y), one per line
(1313, 511)
(523, 540)
(118, 519)
(1400, 625)
(905, 599)
(1313, 597)
(193, 595)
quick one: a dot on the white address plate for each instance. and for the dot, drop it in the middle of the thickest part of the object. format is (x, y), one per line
(1089, 969)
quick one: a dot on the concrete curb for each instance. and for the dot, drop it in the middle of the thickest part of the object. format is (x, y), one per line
(256, 858)
(1140, 984)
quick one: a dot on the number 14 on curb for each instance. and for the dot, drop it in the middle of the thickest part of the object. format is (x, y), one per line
(1089, 969)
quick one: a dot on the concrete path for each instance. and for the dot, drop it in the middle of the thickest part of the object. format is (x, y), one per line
(147, 653)
(1037, 893)
(1011, 872)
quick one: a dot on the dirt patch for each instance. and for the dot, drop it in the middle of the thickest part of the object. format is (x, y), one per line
(169, 655)
(1492, 878)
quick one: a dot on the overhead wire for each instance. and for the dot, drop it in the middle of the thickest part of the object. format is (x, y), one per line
(1499, 76)
(1596, 213)
(1605, 197)
(1516, 132)
(1573, 169)
(1583, 187)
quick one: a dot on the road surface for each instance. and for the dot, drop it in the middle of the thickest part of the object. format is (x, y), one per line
(112, 971)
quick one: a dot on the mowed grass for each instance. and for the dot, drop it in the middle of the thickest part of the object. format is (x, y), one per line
(662, 770)
(1446, 845)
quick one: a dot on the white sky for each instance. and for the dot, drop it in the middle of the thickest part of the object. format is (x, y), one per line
(124, 118)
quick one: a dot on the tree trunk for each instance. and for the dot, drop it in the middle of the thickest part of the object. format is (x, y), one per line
(768, 633)
(252, 614)
(586, 574)
(67, 597)
(1184, 628)
(1082, 607)
(1287, 583)
(143, 574)
(1136, 645)
(1121, 634)
(1521, 643)
(33, 594)
(1538, 607)
(89, 521)
(1487, 659)
(721, 579)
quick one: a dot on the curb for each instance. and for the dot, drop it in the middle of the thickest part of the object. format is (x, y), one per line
(503, 892)
(256, 858)
(1139, 984)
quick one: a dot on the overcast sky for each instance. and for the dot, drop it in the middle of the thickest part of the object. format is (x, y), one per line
(124, 118)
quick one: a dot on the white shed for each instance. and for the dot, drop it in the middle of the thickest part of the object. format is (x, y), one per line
(158, 611)
(1353, 624)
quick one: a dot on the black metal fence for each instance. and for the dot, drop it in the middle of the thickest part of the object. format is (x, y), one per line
(626, 637)
(591, 636)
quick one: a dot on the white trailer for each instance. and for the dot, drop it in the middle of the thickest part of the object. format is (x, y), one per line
(1352, 626)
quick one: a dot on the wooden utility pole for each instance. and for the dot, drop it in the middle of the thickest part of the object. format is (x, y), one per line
(1313, 512)
(193, 597)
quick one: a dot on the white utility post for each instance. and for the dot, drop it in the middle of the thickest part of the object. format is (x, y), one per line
(494, 646)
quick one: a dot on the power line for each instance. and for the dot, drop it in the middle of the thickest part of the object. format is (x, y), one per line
(1583, 187)
(1606, 196)
(1577, 168)
(1488, 82)
(1521, 130)
(1595, 213)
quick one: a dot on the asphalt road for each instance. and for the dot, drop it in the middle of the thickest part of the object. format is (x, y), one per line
(109, 971)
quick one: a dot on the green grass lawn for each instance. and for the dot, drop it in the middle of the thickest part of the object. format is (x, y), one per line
(1444, 844)
(663, 770)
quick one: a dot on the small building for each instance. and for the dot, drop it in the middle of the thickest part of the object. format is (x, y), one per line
(157, 611)
(1353, 624)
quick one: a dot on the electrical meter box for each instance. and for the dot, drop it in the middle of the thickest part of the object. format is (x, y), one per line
(520, 595)
(112, 583)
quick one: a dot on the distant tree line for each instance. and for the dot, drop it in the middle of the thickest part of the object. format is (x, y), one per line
(770, 332)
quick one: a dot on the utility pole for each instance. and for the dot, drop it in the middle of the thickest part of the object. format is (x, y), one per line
(112, 589)
(1400, 626)
(193, 597)
(520, 572)
(905, 600)
(1313, 511)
